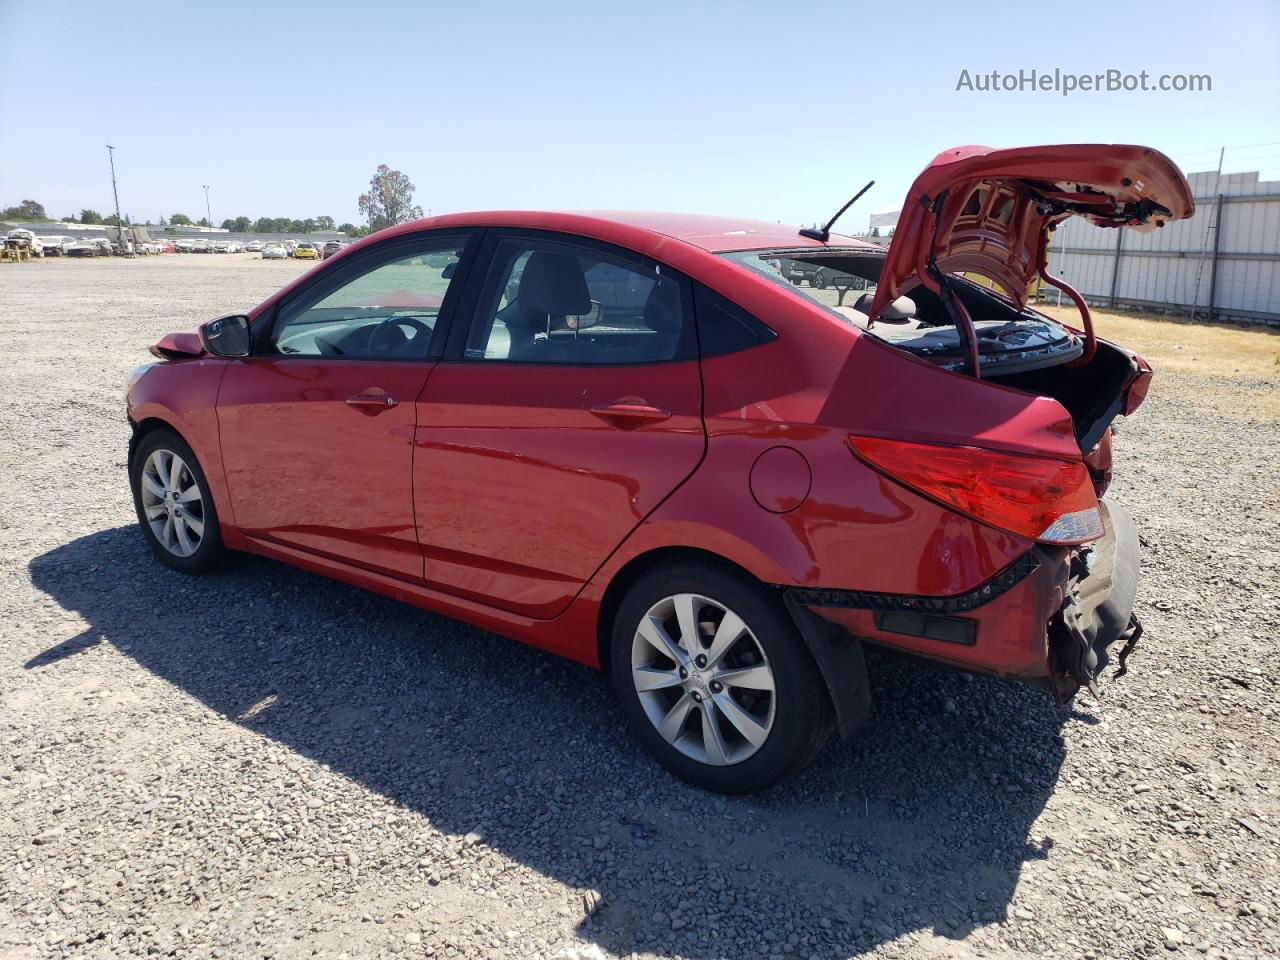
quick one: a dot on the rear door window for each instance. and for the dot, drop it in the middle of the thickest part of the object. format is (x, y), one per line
(560, 302)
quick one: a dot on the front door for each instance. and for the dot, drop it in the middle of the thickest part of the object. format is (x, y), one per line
(569, 410)
(317, 425)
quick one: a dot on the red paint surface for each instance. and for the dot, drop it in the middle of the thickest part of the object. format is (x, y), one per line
(500, 493)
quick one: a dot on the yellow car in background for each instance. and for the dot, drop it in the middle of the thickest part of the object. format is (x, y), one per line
(306, 251)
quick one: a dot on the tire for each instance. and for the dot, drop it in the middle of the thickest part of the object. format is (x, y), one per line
(185, 535)
(787, 725)
(818, 281)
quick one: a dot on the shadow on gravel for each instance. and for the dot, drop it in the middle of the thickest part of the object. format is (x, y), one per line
(922, 824)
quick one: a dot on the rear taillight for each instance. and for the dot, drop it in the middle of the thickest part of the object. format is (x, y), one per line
(1034, 497)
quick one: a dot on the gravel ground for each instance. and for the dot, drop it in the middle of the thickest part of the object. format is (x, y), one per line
(267, 764)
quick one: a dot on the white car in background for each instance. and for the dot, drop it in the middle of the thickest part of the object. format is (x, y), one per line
(254, 246)
(274, 250)
(53, 246)
(25, 238)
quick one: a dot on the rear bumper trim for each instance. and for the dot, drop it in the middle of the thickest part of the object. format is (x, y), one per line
(1001, 583)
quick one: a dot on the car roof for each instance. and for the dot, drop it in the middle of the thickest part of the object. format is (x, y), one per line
(711, 233)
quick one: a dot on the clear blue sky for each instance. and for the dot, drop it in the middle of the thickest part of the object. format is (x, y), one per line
(770, 110)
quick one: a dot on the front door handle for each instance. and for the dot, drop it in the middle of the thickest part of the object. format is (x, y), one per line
(631, 412)
(372, 403)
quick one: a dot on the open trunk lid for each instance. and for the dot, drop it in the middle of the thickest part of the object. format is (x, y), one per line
(985, 211)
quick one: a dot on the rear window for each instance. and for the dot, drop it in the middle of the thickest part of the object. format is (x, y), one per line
(834, 279)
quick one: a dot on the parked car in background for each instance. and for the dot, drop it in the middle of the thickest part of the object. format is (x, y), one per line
(253, 246)
(201, 245)
(52, 246)
(330, 248)
(637, 444)
(183, 245)
(90, 247)
(306, 251)
(25, 239)
(274, 250)
(168, 246)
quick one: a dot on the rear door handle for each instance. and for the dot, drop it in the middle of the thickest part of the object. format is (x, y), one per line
(630, 412)
(372, 403)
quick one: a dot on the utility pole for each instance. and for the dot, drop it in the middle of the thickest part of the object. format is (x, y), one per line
(111, 155)
(208, 217)
(1213, 218)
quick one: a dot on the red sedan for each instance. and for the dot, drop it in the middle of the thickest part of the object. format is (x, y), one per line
(630, 440)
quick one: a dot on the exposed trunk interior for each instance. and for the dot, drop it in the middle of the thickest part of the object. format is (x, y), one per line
(1092, 393)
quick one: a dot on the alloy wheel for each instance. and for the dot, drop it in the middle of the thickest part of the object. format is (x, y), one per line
(703, 679)
(172, 503)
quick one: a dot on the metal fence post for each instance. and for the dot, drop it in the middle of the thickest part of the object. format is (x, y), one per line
(1219, 206)
(1115, 266)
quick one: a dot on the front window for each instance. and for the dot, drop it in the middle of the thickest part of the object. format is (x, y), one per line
(387, 312)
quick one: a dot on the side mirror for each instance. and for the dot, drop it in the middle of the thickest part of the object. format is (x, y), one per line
(226, 336)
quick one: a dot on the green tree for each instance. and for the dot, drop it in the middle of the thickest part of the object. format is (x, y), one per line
(90, 216)
(180, 220)
(389, 200)
(203, 222)
(26, 210)
(346, 228)
(324, 223)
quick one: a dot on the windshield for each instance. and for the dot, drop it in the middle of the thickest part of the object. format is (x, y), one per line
(833, 278)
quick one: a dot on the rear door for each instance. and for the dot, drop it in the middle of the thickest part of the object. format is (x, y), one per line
(558, 419)
(317, 425)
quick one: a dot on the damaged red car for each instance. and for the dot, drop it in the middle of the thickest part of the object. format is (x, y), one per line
(636, 441)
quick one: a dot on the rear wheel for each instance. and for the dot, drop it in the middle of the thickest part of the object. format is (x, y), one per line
(715, 679)
(175, 508)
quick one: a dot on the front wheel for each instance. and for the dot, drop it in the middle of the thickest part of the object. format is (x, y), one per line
(175, 508)
(715, 679)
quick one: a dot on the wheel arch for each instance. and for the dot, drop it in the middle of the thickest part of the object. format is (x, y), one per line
(147, 426)
(637, 567)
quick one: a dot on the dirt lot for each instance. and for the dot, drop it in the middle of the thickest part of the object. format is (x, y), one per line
(267, 764)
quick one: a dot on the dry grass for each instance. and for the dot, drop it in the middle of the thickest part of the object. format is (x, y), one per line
(1243, 362)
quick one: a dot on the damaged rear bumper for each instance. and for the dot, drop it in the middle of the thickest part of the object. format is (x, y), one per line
(1097, 607)
(1048, 619)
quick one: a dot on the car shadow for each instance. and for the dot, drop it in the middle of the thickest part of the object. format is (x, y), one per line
(922, 823)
